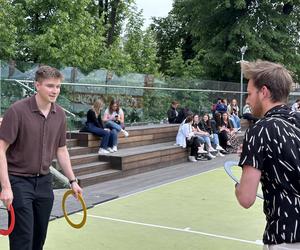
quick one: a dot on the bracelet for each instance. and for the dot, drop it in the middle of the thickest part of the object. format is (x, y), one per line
(74, 180)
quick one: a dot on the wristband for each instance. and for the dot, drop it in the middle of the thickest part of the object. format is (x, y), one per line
(74, 180)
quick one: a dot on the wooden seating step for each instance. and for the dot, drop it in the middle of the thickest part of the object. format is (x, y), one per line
(150, 155)
(79, 159)
(90, 168)
(72, 142)
(138, 136)
(82, 150)
(94, 178)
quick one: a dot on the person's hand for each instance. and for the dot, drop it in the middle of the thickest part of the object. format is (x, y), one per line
(6, 196)
(76, 189)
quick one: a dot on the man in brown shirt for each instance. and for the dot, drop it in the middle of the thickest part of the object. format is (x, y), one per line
(32, 133)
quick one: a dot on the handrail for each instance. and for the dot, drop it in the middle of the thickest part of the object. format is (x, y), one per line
(140, 87)
(34, 91)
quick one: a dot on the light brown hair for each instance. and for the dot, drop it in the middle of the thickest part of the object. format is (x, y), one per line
(272, 75)
(46, 72)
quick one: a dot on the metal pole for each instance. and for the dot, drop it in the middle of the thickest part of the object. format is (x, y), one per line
(243, 51)
(241, 96)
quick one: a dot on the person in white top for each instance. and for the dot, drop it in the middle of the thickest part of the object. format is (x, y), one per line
(113, 119)
(296, 106)
(185, 137)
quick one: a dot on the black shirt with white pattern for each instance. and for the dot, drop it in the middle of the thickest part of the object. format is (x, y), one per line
(273, 147)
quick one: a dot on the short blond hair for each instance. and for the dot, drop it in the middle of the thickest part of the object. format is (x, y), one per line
(98, 105)
(274, 76)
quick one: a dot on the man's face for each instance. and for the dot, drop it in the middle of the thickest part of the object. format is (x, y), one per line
(254, 99)
(48, 89)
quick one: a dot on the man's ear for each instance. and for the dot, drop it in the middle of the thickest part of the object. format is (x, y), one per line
(265, 91)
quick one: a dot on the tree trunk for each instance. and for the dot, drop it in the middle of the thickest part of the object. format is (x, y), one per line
(112, 21)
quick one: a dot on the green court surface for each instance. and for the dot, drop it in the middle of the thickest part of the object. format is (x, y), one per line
(198, 212)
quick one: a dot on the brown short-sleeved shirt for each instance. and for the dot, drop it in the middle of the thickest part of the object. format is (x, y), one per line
(33, 138)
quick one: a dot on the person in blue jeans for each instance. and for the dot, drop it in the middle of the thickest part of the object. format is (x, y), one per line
(113, 119)
(95, 126)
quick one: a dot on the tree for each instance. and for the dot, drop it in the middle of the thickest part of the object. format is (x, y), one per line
(140, 45)
(8, 31)
(221, 28)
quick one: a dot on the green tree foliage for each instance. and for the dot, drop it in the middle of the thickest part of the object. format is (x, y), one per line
(220, 28)
(140, 45)
(8, 30)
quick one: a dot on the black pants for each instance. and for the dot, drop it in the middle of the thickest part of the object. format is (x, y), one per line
(194, 143)
(33, 201)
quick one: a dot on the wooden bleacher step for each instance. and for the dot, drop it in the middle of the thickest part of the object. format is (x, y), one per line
(94, 178)
(90, 168)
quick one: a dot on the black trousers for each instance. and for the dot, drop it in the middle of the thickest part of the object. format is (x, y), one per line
(33, 201)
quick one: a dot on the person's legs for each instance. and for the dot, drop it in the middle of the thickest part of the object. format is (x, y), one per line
(114, 135)
(233, 121)
(21, 236)
(101, 133)
(237, 121)
(112, 125)
(42, 207)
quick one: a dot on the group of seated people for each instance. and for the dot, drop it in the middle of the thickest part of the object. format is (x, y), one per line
(107, 126)
(207, 137)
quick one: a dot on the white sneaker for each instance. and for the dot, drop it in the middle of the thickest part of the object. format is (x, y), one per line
(211, 156)
(201, 151)
(220, 154)
(114, 148)
(110, 150)
(219, 148)
(103, 151)
(211, 149)
(126, 134)
(192, 158)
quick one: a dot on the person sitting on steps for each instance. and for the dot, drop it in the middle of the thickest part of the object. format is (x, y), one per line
(94, 125)
(185, 138)
(113, 119)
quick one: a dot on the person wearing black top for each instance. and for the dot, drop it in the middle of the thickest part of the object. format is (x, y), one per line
(175, 115)
(271, 155)
(94, 125)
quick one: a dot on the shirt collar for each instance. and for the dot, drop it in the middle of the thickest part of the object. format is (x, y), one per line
(34, 107)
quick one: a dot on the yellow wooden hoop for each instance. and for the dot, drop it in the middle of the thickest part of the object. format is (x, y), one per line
(81, 224)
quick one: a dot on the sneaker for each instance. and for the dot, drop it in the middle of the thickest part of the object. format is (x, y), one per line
(211, 149)
(114, 148)
(201, 151)
(110, 150)
(192, 159)
(126, 134)
(219, 147)
(220, 154)
(103, 151)
(211, 156)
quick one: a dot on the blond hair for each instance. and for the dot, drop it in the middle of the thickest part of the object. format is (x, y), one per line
(272, 75)
(97, 106)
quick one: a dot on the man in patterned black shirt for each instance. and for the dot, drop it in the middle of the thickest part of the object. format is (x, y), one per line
(271, 154)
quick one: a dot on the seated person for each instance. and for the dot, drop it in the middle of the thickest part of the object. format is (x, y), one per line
(221, 107)
(94, 125)
(227, 135)
(296, 106)
(185, 137)
(209, 125)
(247, 114)
(175, 115)
(204, 135)
(233, 110)
(113, 119)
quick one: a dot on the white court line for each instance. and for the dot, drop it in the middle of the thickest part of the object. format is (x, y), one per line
(184, 230)
(156, 187)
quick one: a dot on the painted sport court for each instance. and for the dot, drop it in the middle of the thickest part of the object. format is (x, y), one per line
(198, 212)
